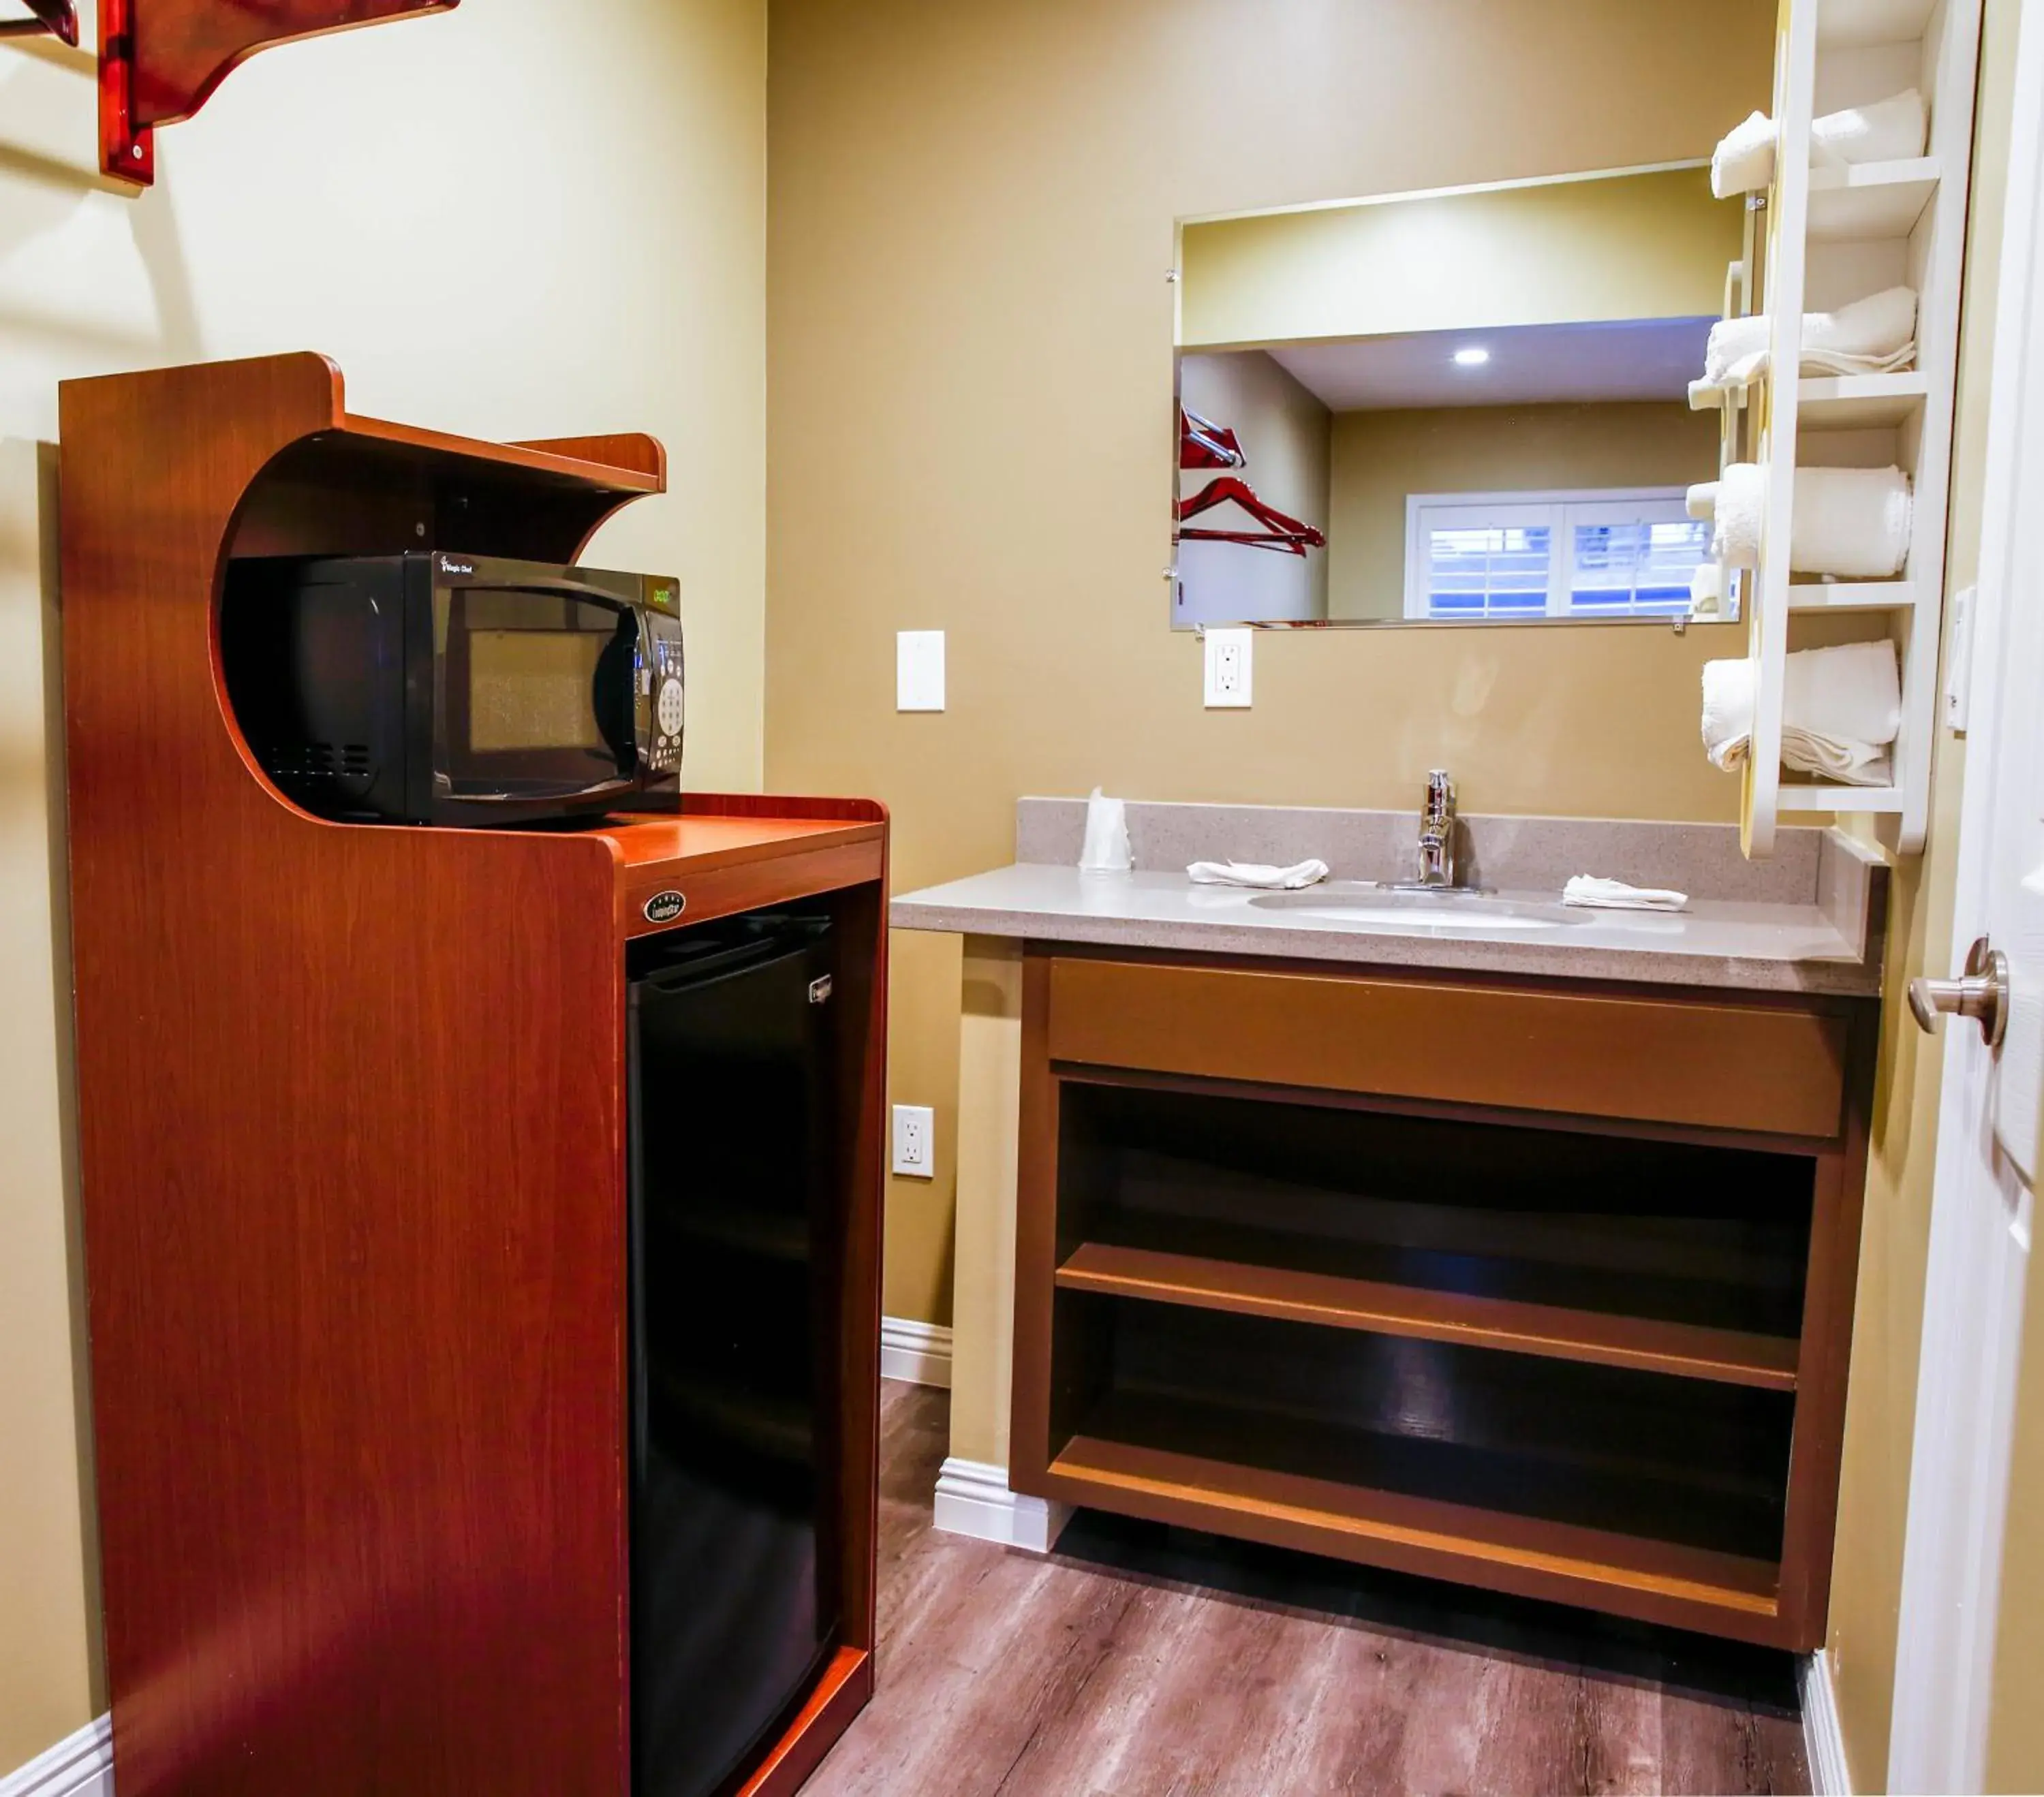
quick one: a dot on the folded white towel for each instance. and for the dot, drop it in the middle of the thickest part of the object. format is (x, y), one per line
(1740, 511)
(1890, 130)
(1255, 873)
(1745, 160)
(1873, 335)
(1840, 708)
(1615, 895)
(1851, 522)
(1105, 850)
(1701, 500)
(1707, 590)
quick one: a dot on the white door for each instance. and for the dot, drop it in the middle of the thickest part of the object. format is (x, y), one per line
(1988, 1140)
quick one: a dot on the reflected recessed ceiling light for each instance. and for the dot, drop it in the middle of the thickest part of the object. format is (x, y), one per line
(1471, 357)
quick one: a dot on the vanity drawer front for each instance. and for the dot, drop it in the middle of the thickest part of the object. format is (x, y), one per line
(1709, 1063)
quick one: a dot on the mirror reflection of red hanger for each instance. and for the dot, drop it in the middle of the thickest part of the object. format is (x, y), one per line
(1204, 445)
(1287, 535)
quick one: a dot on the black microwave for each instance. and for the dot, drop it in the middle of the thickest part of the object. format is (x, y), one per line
(433, 688)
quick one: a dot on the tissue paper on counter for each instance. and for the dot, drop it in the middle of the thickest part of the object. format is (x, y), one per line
(1256, 873)
(1106, 849)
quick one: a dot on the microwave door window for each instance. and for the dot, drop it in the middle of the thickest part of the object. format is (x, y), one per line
(533, 688)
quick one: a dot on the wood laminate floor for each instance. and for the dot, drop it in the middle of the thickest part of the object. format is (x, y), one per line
(1137, 1661)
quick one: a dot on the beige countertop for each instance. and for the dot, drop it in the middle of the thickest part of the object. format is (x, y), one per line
(1818, 929)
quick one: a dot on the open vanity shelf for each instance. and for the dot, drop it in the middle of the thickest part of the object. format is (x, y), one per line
(354, 1141)
(1830, 236)
(1391, 1267)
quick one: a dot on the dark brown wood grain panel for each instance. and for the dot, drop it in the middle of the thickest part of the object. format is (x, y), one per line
(352, 1150)
(1714, 1062)
(785, 865)
(1599, 1338)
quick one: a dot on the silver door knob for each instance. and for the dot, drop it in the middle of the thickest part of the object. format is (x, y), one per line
(1981, 994)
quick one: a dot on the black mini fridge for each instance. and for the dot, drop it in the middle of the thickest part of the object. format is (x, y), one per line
(736, 1588)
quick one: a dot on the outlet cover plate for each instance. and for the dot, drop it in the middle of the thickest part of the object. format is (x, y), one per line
(918, 670)
(1228, 667)
(915, 1131)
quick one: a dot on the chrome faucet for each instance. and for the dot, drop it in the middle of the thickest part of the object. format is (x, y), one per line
(1437, 831)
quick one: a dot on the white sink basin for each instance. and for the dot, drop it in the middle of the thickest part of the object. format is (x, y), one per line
(1381, 908)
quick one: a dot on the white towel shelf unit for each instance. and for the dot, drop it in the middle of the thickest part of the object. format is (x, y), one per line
(1830, 236)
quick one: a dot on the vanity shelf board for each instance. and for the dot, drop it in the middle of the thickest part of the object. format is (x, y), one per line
(1853, 402)
(1644, 1344)
(1630, 1575)
(1873, 199)
(1853, 595)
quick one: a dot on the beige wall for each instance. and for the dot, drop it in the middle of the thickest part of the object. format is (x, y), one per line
(511, 220)
(1639, 246)
(1887, 1329)
(974, 211)
(1380, 458)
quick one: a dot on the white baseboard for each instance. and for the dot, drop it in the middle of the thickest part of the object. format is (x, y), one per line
(918, 1352)
(1823, 1740)
(973, 1498)
(81, 1767)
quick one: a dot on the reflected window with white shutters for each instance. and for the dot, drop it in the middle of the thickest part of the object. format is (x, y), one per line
(1589, 553)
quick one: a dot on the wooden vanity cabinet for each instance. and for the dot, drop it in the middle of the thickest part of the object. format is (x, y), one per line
(1542, 1285)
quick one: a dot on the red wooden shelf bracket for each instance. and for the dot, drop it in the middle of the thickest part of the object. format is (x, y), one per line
(57, 18)
(160, 60)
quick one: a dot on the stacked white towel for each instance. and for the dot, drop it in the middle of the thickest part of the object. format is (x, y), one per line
(1701, 500)
(1615, 895)
(1841, 708)
(1891, 130)
(1707, 590)
(1850, 523)
(1256, 873)
(1873, 335)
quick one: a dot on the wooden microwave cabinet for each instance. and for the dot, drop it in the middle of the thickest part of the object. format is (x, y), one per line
(1545, 1286)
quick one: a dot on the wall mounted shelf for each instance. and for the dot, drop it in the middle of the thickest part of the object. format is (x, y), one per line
(160, 60)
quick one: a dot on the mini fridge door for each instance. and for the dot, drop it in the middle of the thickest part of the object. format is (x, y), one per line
(734, 1603)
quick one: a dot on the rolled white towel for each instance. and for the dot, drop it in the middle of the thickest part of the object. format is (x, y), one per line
(1852, 522)
(1741, 511)
(1890, 130)
(1255, 873)
(1840, 708)
(1701, 500)
(1616, 895)
(1734, 342)
(1745, 159)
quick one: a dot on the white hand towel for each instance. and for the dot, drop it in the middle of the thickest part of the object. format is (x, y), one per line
(1707, 590)
(1615, 895)
(1873, 335)
(1106, 848)
(1255, 873)
(1890, 130)
(1840, 708)
(1745, 160)
(1701, 500)
(1852, 522)
(1741, 510)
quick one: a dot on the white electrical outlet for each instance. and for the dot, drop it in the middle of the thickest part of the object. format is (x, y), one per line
(914, 1126)
(1227, 667)
(918, 670)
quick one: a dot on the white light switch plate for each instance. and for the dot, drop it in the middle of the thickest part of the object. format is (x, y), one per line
(1227, 667)
(918, 670)
(914, 1126)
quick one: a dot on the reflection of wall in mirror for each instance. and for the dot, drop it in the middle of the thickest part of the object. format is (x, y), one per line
(1378, 457)
(1283, 430)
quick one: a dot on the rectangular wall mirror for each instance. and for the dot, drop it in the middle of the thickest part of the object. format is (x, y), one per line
(1464, 406)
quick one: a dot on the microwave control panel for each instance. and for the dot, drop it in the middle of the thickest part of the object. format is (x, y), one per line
(663, 682)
